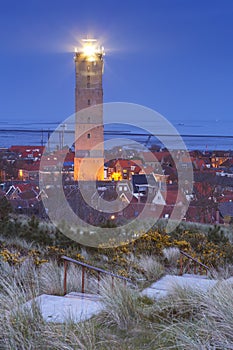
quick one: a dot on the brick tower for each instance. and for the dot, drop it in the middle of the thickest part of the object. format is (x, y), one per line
(89, 131)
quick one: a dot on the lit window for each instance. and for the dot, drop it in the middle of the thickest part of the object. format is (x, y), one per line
(88, 68)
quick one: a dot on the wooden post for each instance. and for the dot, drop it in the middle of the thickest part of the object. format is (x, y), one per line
(112, 282)
(98, 282)
(65, 277)
(83, 278)
(195, 268)
(188, 265)
(181, 265)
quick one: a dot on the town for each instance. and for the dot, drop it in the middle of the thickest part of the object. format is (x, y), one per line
(155, 182)
(137, 181)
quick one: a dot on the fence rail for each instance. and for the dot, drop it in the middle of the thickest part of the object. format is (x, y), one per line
(197, 265)
(86, 266)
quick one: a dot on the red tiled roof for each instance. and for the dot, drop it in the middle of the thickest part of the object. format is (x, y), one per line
(227, 193)
(203, 189)
(28, 151)
(126, 163)
(49, 161)
(24, 187)
(154, 156)
(174, 196)
(147, 170)
(35, 166)
(63, 154)
(198, 163)
(20, 148)
(26, 195)
(69, 157)
(227, 196)
(130, 165)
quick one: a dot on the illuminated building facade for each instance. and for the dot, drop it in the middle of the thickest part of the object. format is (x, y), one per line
(89, 132)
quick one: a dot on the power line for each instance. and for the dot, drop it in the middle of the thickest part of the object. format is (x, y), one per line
(115, 132)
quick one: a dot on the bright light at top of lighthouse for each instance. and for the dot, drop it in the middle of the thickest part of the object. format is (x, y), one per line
(90, 49)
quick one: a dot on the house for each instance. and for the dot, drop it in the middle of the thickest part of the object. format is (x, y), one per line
(18, 191)
(29, 171)
(123, 169)
(28, 152)
(203, 190)
(144, 187)
(156, 160)
(175, 197)
(226, 196)
(219, 157)
(147, 169)
(159, 198)
(176, 205)
(65, 157)
(198, 163)
(124, 187)
(24, 198)
(227, 165)
(28, 207)
(171, 174)
(161, 178)
(124, 191)
(226, 211)
(18, 205)
(151, 189)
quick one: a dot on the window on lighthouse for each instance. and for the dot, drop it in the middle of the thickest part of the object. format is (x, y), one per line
(88, 81)
(88, 136)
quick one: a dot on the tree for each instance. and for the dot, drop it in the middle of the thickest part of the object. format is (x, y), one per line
(5, 209)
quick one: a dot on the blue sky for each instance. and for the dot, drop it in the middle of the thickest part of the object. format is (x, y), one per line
(175, 56)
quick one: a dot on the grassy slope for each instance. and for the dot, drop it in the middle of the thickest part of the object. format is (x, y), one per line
(185, 320)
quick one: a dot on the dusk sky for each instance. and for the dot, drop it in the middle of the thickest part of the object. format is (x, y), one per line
(174, 56)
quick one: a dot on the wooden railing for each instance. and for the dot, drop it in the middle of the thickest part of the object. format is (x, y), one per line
(197, 266)
(86, 266)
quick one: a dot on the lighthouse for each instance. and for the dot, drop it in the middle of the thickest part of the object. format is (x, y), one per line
(89, 130)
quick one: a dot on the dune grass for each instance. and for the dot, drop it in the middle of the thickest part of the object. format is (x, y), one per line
(151, 266)
(186, 319)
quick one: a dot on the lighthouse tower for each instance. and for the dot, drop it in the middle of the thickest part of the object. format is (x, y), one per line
(89, 132)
